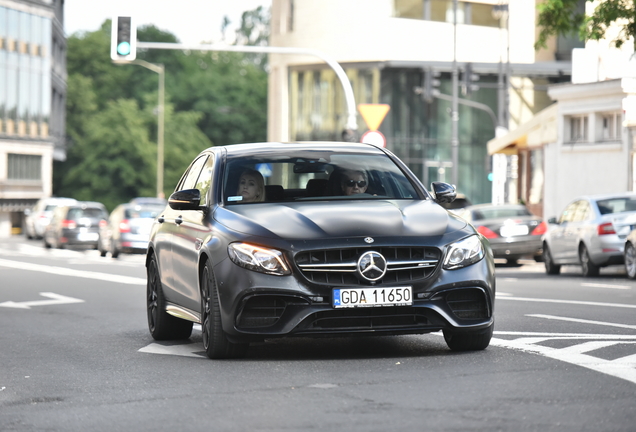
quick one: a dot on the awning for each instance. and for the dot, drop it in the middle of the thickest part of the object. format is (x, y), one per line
(540, 130)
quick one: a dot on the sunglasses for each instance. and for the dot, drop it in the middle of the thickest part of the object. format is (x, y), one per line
(352, 183)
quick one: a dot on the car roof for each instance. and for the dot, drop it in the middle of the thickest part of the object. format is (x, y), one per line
(335, 146)
(481, 206)
(598, 197)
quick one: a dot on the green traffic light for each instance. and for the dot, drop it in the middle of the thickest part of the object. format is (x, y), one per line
(123, 48)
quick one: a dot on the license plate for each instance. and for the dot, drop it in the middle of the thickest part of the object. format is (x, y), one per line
(87, 236)
(370, 297)
(513, 230)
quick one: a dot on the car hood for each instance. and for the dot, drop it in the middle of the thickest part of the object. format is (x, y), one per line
(316, 220)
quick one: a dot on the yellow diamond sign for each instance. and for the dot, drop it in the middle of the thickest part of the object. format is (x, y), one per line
(373, 114)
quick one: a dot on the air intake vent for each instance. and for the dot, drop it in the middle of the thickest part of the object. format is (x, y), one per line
(468, 303)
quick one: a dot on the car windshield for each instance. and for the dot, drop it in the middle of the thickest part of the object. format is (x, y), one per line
(503, 212)
(314, 175)
(616, 205)
(143, 212)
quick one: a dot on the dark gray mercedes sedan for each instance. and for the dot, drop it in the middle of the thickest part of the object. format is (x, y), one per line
(269, 240)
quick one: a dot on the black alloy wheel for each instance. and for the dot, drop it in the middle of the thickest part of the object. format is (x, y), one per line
(469, 341)
(550, 267)
(630, 260)
(589, 268)
(161, 324)
(215, 342)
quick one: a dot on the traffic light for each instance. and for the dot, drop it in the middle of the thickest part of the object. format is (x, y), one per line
(430, 86)
(123, 42)
(469, 80)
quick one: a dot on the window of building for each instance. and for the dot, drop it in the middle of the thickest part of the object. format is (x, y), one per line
(468, 12)
(611, 126)
(578, 128)
(24, 167)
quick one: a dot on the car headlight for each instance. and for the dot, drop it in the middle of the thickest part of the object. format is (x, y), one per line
(464, 253)
(258, 259)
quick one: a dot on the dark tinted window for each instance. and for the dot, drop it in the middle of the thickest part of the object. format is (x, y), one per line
(89, 212)
(503, 212)
(617, 205)
(316, 175)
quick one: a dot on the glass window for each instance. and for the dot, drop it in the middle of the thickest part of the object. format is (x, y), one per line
(24, 167)
(313, 175)
(409, 9)
(190, 180)
(578, 128)
(205, 181)
(569, 212)
(616, 205)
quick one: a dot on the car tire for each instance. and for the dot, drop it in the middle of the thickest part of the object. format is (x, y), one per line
(630, 261)
(469, 341)
(512, 262)
(114, 252)
(161, 324)
(215, 342)
(550, 267)
(47, 245)
(589, 268)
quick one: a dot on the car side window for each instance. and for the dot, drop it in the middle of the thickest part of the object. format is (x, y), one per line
(569, 212)
(581, 212)
(205, 181)
(190, 180)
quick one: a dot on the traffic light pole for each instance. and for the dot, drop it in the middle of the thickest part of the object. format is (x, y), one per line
(352, 123)
(159, 68)
(455, 104)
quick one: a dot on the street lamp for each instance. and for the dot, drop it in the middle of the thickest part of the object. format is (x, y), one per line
(159, 68)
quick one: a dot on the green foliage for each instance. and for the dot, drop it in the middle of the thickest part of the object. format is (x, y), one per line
(562, 17)
(111, 121)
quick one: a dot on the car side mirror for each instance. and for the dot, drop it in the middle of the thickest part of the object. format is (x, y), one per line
(444, 192)
(188, 199)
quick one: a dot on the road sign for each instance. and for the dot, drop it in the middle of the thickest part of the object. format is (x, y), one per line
(373, 114)
(375, 138)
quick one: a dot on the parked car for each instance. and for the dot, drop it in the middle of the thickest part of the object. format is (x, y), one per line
(40, 215)
(591, 232)
(629, 253)
(128, 228)
(262, 241)
(512, 230)
(75, 225)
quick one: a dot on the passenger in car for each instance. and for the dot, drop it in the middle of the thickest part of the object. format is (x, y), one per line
(251, 186)
(354, 182)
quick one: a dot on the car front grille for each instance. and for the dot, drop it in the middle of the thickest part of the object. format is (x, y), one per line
(339, 266)
(468, 303)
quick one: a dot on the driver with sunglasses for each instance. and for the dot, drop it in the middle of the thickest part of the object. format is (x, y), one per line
(354, 182)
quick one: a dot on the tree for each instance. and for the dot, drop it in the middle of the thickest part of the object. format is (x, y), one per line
(560, 17)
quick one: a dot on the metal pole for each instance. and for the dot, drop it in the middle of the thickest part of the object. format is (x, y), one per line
(160, 120)
(455, 104)
(352, 122)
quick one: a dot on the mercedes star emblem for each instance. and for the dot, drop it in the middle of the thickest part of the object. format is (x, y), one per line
(372, 266)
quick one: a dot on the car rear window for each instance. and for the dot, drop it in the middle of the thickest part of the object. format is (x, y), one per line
(316, 175)
(143, 212)
(496, 213)
(78, 213)
(616, 205)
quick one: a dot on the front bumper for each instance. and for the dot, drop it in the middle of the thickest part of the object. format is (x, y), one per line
(256, 306)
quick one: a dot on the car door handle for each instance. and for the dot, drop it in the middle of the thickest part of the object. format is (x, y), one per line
(178, 220)
(161, 219)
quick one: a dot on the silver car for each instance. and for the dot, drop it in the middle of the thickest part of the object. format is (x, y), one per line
(591, 232)
(128, 228)
(40, 215)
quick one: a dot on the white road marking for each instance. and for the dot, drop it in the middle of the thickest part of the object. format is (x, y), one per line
(184, 350)
(57, 299)
(623, 368)
(597, 285)
(583, 321)
(70, 272)
(577, 302)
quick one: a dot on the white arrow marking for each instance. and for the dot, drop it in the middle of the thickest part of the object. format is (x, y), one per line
(56, 299)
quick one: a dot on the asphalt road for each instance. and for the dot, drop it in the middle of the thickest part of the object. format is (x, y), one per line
(76, 355)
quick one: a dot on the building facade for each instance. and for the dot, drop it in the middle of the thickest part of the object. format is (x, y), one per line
(387, 48)
(32, 104)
